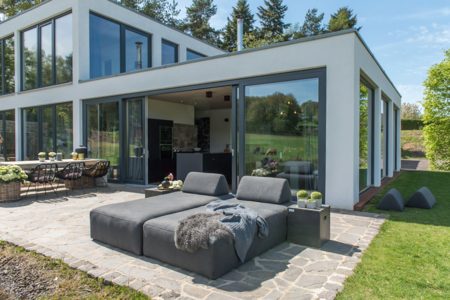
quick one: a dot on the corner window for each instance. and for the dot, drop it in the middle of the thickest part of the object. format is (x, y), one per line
(7, 71)
(193, 55)
(47, 53)
(169, 53)
(116, 48)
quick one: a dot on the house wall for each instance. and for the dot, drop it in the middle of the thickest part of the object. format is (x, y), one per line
(178, 113)
(220, 130)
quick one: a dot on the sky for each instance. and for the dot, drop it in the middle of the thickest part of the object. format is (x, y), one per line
(406, 37)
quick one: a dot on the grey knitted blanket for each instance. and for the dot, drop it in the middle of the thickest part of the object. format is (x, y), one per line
(242, 221)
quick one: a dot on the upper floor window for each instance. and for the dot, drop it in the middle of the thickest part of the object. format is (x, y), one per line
(116, 48)
(7, 71)
(47, 53)
(169, 53)
(193, 55)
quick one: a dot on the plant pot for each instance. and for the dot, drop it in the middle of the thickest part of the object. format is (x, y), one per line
(52, 158)
(41, 159)
(318, 203)
(311, 204)
(301, 202)
(80, 156)
(75, 156)
(165, 184)
(138, 151)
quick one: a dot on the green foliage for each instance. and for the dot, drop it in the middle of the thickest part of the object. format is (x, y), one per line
(255, 40)
(229, 33)
(436, 116)
(316, 195)
(302, 194)
(12, 7)
(197, 21)
(271, 18)
(343, 19)
(412, 124)
(311, 26)
(410, 111)
(363, 126)
(12, 174)
(311, 200)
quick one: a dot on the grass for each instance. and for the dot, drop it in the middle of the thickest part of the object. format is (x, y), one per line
(413, 144)
(71, 283)
(410, 257)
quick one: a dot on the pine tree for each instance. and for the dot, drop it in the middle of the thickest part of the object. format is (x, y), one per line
(343, 19)
(12, 7)
(133, 4)
(272, 17)
(229, 33)
(311, 26)
(197, 20)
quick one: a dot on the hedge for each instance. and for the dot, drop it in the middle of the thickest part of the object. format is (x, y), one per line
(412, 124)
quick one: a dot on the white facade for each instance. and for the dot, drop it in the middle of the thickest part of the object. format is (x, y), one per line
(344, 55)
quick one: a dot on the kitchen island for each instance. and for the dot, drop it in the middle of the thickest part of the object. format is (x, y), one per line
(205, 162)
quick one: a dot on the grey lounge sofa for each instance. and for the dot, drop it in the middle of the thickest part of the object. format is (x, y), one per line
(300, 175)
(121, 225)
(265, 195)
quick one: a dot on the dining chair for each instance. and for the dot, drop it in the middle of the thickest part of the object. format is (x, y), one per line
(99, 170)
(42, 174)
(72, 171)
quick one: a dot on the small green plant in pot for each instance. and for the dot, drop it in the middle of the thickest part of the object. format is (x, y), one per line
(311, 203)
(317, 197)
(42, 156)
(302, 197)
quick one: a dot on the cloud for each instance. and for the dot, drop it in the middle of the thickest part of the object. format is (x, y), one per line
(411, 93)
(430, 14)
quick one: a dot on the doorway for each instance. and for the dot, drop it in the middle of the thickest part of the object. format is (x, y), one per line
(161, 157)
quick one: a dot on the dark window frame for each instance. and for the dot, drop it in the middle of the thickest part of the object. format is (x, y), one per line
(372, 131)
(194, 52)
(168, 43)
(123, 29)
(3, 60)
(39, 56)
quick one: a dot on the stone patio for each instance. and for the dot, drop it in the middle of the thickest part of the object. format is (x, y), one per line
(59, 228)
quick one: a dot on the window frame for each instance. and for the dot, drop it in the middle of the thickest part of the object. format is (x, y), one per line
(123, 29)
(39, 54)
(196, 53)
(168, 43)
(3, 61)
(3, 131)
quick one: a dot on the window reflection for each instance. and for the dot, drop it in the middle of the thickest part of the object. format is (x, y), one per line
(46, 54)
(169, 53)
(7, 132)
(193, 55)
(136, 51)
(63, 49)
(30, 59)
(365, 96)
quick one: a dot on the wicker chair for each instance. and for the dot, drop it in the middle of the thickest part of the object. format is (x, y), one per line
(72, 171)
(42, 174)
(99, 170)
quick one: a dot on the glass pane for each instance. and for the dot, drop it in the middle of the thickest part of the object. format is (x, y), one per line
(166, 142)
(9, 66)
(282, 132)
(382, 116)
(168, 54)
(10, 136)
(2, 141)
(136, 51)
(31, 134)
(46, 54)
(30, 59)
(103, 134)
(47, 130)
(63, 49)
(1, 69)
(64, 129)
(193, 55)
(104, 47)
(364, 92)
(135, 141)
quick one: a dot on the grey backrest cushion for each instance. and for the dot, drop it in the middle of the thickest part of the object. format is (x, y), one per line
(262, 189)
(205, 184)
(298, 167)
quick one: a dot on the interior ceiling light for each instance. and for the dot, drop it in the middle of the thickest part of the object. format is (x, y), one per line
(227, 98)
(208, 94)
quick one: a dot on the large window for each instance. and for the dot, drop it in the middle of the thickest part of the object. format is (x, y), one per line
(365, 102)
(47, 53)
(8, 134)
(193, 55)
(116, 48)
(384, 137)
(169, 53)
(48, 129)
(7, 71)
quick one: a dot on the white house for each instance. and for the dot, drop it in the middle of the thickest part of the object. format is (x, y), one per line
(318, 111)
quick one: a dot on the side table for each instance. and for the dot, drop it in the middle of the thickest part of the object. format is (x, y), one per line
(155, 192)
(308, 227)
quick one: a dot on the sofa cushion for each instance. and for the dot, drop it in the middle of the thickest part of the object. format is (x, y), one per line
(298, 167)
(120, 224)
(262, 189)
(205, 184)
(221, 257)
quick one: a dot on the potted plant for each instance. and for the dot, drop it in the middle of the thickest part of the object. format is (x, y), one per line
(311, 203)
(178, 184)
(52, 156)
(74, 155)
(41, 156)
(166, 183)
(317, 197)
(302, 197)
(10, 179)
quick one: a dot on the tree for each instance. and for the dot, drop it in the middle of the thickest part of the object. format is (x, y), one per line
(133, 4)
(197, 20)
(436, 115)
(12, 7)
(161, 10)
(410, 111)
(255, 40)
(311, 26)
(343, 19)
(272, 18)
(229, 33)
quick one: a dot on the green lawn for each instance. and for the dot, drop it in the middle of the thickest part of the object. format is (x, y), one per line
(410, 257)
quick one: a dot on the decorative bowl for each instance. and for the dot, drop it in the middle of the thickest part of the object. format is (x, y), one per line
(197, 149)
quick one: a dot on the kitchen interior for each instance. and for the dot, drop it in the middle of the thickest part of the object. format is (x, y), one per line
(190, 132)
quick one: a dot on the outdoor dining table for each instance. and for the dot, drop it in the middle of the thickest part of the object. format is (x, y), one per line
(27, 165)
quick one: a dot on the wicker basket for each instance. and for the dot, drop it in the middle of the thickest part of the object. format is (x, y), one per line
(9, 192)
(84, 182)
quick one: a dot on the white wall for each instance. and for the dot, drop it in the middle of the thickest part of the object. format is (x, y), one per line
(220, 130)
(178, 113)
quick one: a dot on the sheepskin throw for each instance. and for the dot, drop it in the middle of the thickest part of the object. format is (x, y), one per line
(200, 230)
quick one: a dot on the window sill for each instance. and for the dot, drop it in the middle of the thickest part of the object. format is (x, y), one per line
(7, 95)
(46, 87)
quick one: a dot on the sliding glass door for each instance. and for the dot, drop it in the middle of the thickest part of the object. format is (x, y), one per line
(134, 141)
(8, 134)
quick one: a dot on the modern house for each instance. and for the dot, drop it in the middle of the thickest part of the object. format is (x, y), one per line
(320, 112)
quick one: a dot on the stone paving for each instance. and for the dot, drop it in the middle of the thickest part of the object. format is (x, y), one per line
(59, 228)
